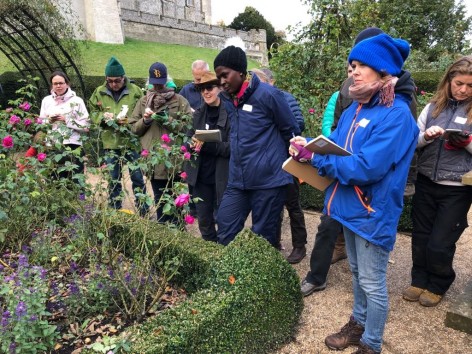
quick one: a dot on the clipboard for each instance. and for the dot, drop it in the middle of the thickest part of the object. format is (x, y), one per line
(320, 145)
(208, 136)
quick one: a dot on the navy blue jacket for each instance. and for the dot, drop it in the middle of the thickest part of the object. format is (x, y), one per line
(293, 104)
(261, 126)
(193, 96)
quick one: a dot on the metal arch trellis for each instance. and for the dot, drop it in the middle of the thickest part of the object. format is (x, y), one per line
(34, 51)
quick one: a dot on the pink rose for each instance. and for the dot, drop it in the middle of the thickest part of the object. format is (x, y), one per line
(9, 110)
(27, 122)
(165, 147)
(165, 138)
(182, 199)
(423, 93)
(14, 120)
(7, 142)
(189, 219)
(311, 111)
(25, 106)
(183, 148)
(145, 153)
(41, 156)
(187, 156)
(183, 175)
(39, 120)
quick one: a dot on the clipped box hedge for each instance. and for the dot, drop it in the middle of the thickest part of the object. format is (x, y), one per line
(243, 297)
(427, 80)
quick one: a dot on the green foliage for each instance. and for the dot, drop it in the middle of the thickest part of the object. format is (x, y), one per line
(23, 296)
(427, 81)
(250, 302)
(252, 19)
(431, 26)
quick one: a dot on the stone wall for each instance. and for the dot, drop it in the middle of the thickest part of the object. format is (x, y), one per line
(164, 29)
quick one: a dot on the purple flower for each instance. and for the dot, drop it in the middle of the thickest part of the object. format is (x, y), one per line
(33, 318)
(74, 289)
(5, 318)
(110, 273)
(73, 267)
(23, 261)
(54, 288)
(82, 196)
(20, 310)
(1, 268)
(127, 277)
(12, 348)
(25, 249)
(99, 285)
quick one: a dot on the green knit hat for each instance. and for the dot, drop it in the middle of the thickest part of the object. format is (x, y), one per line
(114, 68)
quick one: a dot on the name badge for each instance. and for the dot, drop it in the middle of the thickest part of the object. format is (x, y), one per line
(460, 120)
(247, 107)
(363, 122)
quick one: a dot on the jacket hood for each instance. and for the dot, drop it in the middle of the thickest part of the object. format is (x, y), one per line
(405, 85)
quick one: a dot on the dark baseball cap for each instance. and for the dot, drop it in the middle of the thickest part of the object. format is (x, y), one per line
(158, 74)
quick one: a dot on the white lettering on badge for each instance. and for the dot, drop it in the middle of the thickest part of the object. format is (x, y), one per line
(363, 122)
(247, 107)
(460, 120)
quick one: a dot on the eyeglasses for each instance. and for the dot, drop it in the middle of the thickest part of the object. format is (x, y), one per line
(115, 81)
(58, 83)
(206, 87)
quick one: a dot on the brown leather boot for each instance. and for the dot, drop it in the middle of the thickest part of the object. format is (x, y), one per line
(339, 249)
(350, 334)
(365, 349)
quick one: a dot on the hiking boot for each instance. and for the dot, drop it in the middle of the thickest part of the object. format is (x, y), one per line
(412, 293)
(364, 349)
(429, 299)
(298, 253)
(339, 252)
(350, 334)
(308, 288)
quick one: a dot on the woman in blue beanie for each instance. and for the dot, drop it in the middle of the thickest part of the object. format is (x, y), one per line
(366, 196)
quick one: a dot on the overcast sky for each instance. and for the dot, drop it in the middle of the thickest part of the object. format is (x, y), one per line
(279, 13)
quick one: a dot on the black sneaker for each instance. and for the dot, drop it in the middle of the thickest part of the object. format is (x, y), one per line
(308, 288)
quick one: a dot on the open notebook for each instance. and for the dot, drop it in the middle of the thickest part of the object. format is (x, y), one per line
(305, 171)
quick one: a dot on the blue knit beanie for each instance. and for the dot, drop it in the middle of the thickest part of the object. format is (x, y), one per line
(381, 53)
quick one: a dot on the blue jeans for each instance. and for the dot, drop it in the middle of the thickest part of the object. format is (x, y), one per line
(115, 160)
(368, 264)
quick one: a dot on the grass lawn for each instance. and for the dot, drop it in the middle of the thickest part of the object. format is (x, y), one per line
(136, 57)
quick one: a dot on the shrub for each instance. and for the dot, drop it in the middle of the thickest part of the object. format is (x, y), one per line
(249, 301)
(427, 80)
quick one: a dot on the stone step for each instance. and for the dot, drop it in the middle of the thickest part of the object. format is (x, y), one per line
(459, 315)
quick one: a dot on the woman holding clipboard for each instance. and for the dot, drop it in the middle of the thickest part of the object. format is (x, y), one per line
(208, 172)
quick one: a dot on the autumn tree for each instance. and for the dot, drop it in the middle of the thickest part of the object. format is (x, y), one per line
(252, 19)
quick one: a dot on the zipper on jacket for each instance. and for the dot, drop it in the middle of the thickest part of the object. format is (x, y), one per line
(365, 201)
(441, 146)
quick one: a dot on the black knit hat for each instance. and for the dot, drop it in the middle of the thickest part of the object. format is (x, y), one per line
(232, 57)
(367, 33)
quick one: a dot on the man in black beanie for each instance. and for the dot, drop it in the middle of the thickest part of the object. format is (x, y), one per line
(262, 124)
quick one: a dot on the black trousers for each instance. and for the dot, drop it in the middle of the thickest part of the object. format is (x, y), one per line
(295, 213)
(320, 260)
(439, 217)
(206, 210)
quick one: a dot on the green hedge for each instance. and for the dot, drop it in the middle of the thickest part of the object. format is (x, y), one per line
(427, 80)
(313, 199)
(256, 313)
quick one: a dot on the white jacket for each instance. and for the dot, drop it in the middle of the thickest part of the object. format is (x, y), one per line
(73, 109)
